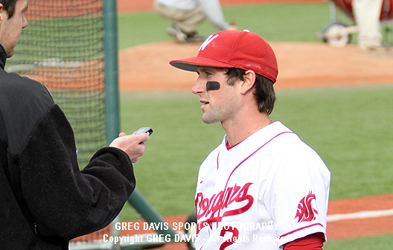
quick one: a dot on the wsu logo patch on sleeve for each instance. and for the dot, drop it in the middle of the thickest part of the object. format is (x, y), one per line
(305, 210)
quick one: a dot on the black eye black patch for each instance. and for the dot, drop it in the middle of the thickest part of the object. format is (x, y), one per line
(212, 85)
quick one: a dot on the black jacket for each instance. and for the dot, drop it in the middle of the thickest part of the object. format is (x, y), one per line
(45, 200)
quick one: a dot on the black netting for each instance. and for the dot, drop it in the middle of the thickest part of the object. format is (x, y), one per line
(62, 47)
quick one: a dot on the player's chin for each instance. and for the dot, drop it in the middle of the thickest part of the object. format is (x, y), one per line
(208, 119)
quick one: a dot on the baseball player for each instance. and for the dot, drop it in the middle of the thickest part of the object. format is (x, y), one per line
(188, 15)
(262, 187)
(367, 14)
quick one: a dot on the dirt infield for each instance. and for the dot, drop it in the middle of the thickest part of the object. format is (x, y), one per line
(146, 67)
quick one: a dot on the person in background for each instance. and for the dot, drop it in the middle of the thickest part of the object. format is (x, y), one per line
(367, 17)
(45, 200)
(188, 15)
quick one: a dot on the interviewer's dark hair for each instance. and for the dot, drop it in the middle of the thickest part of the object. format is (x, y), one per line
(9, 6)
(263, 89)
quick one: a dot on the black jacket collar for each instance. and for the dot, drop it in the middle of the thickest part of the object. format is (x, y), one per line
(3, 57)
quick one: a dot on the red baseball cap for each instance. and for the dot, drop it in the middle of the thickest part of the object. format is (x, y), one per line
(234, 49)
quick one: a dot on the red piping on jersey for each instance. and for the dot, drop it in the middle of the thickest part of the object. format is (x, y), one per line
(218, 156)
(217, 219)
(294, 231)
(285, 132)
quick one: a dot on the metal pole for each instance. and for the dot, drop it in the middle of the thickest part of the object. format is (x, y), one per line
(109, 13)
(333, 12)
(112, 109)
(111, 69)
(150, 215)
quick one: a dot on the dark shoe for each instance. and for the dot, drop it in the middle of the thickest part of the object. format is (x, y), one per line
(195, 38)
(176, 33)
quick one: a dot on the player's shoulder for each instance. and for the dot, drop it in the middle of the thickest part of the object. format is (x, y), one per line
(279, 133)
(288, 144)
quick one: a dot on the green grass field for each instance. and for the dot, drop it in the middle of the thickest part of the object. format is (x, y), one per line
(380, 242)
(347, 126)
(274, 22)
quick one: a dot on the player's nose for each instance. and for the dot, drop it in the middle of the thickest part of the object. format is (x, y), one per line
(198, 87)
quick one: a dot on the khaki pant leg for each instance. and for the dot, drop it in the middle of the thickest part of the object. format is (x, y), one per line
(187, 20)
(367, 13)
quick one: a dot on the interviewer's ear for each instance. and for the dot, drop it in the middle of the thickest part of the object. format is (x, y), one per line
(1, 12)
(249, 80)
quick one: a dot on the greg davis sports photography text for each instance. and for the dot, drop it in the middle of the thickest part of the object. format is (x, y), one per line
(138, 232)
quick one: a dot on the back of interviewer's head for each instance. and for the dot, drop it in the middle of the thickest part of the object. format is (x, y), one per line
(9, 6)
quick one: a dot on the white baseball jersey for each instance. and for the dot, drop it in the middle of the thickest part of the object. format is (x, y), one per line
(266, 191)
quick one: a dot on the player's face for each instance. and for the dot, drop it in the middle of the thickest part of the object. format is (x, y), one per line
(11, 28)
(218, 105)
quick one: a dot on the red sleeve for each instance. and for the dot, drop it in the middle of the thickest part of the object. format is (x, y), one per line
(310, 242)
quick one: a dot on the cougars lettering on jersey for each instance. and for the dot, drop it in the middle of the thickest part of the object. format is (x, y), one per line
(261, 194)
(212, 207)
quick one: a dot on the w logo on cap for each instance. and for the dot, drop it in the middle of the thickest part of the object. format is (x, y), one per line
(207, 41)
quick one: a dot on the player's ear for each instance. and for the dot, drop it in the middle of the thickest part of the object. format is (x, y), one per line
(1, 12)
(249, 80)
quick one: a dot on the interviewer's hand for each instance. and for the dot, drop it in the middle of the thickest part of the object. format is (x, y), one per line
(133, 145)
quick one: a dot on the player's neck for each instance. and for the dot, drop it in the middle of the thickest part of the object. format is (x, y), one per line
(237, 131)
